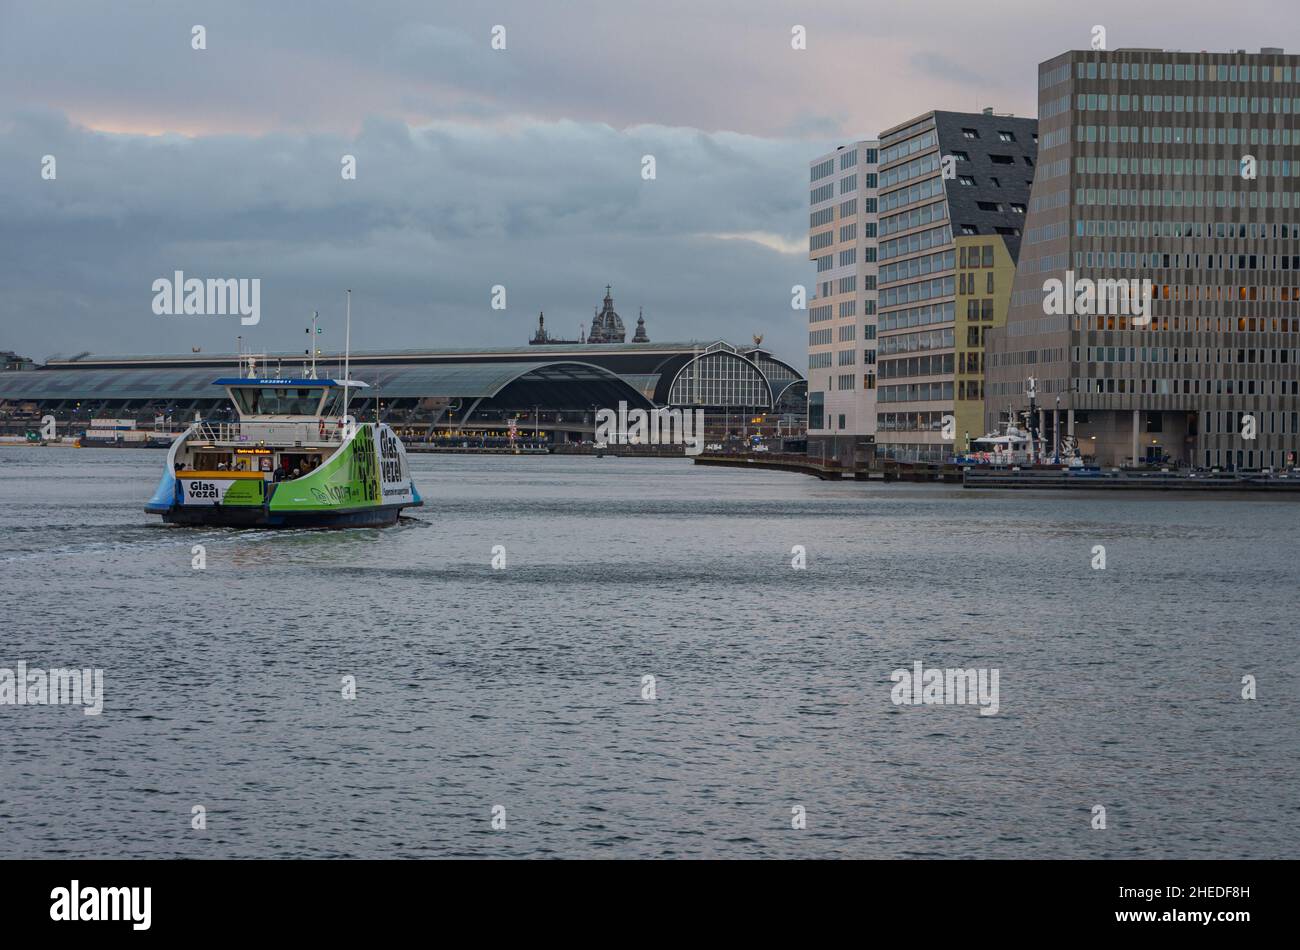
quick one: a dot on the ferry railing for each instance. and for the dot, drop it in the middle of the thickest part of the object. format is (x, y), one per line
(275, 433)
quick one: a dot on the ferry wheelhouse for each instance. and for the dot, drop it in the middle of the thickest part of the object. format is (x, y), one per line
(294, 459)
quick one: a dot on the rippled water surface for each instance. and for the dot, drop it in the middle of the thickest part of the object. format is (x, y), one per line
(522, 687)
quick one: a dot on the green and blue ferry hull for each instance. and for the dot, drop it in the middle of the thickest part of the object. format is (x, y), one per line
(364, 483)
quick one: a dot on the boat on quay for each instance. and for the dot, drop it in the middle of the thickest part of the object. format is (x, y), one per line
(294, 459)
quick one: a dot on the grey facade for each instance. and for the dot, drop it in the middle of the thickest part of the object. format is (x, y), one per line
(1141, 177)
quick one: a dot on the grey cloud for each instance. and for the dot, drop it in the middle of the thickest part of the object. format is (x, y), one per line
(436, 217)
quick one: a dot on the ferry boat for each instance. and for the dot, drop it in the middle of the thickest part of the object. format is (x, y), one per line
(295, 458)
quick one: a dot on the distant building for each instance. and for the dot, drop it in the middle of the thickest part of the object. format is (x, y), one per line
(606, 327)
(542, 338)
(743, 389)
(1144, 157)
(842, 309)
(11, 361)
(892, 224)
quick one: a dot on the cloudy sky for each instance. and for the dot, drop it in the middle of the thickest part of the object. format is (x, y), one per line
(475, 167)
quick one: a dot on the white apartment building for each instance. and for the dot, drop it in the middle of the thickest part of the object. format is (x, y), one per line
(842, 195)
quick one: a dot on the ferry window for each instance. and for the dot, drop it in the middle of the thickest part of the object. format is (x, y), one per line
(280, 401)
(334, 404)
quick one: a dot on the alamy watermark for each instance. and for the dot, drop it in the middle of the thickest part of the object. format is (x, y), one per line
(946, 687)
(32, 687)
(81, 902)
(654, 427)
(1103, 297)
(193, 296)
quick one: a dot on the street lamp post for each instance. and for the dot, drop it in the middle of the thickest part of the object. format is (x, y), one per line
(1056, 432)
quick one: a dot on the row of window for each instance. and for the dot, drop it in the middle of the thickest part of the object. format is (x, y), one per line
(940, 364)
(1225, 167)
(977, 255)
(921, 290)
(1228, 422)
(912, 194)
(972, 229)
(1003, 136)
(1187, 323)
(912, 452)
(1189, 387)
(1179, 135)
(1209, 105)
(918, 266)
(914, 218)
(916, 392)
(914, 342)
(918, 316)
(1170, 198)
(848, 381)
(913, 145)
(920, 241)
(925, 165)
(909, 421)
(1123, 227)
(996, 159)
(1185, 354)
(1185, 72)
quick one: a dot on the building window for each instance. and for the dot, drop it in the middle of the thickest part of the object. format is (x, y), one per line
(966, 180)
(970, 133)
(1006, 137)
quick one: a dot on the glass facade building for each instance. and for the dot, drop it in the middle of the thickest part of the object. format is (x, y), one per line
(1181, 168)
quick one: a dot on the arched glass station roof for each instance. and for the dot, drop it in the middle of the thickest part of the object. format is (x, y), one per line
(715, 374)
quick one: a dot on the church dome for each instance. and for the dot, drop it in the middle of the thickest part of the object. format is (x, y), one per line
(607, 326)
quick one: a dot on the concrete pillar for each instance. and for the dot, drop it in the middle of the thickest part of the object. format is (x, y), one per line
(1136, 417)
(1069, 421)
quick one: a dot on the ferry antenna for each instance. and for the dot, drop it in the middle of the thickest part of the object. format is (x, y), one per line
(347, 359)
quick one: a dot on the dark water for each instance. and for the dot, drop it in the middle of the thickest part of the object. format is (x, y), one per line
(522, 687)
